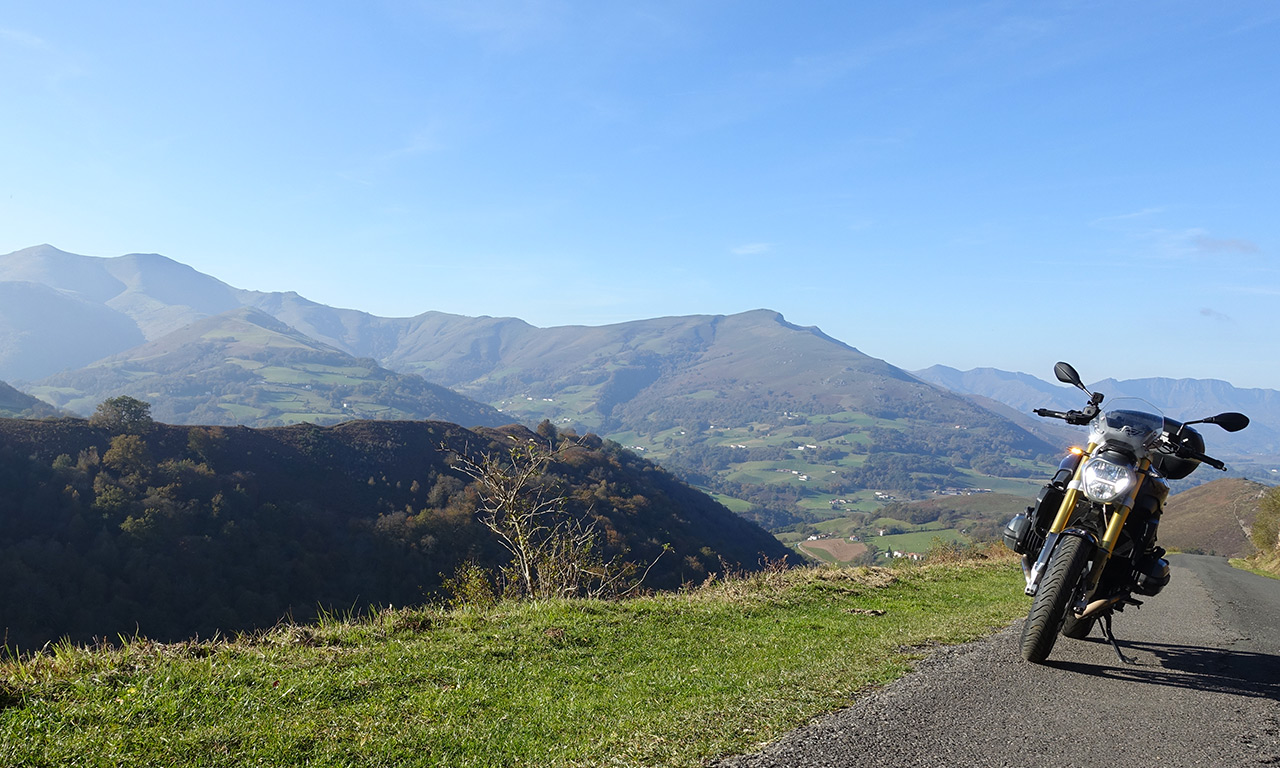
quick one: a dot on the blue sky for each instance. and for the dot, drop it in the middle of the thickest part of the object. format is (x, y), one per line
(996, 184)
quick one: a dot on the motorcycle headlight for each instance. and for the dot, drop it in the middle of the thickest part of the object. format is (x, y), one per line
(1105, 482)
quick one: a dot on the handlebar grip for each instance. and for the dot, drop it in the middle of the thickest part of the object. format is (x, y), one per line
(1191, 453)
(1048, 414)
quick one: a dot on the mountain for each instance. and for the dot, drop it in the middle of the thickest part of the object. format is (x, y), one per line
(1181, 399)
(154, 293)
(184, 530)
(244, 366)
(43, 330)
(785, 422)
(1196, 398)
(1020, 391)
(15, 404)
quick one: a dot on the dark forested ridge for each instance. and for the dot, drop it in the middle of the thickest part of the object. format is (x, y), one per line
(196, 529)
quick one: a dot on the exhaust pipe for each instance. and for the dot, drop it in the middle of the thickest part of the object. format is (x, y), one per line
(1097, 606)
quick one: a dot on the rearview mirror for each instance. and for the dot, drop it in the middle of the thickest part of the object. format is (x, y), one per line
(1231, 421)
(1067, 375)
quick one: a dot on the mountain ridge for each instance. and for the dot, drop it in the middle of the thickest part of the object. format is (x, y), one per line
(792, 423)
(1181, 399)
(201, 372)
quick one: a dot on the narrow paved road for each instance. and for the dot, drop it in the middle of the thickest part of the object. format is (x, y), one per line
(1205, 692)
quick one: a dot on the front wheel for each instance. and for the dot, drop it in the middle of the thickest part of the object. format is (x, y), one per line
(1053, 599)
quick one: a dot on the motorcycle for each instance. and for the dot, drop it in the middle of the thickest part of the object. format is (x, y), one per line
(1088, 544)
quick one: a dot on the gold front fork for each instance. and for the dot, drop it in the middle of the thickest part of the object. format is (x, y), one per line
(1072, 495)
(1115, 524)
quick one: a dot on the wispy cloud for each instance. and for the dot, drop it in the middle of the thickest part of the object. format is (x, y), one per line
(752, 249)
(1208, 244)
(1196, 243)
(1192, 243)
(1214, 314)
(1142, 214)
(424, 142)
(44, 59)
(507, 25)
(22, 39)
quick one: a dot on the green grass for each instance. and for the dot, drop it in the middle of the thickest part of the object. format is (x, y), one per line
(919, 541)
(672, 680)
(1261, 566)
(735, 505)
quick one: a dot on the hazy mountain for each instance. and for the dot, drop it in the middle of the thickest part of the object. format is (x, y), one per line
(733, 402)
(1177, 398)
(156, 293)
(1020, 391)
(43, 330)
(246, 367)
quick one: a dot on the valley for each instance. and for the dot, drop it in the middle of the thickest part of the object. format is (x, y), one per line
(780, 423)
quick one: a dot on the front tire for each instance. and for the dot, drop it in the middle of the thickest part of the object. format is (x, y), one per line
(1053, 599)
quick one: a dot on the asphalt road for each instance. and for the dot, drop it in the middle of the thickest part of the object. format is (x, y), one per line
(1205, 691)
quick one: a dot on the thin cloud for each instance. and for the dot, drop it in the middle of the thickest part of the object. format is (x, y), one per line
(23, 39)
(752, 249)
(44, 60)
(1127, 216)
(1192, 244)
(424, 142)
(1207, 244)
(1214, 314)
(508, 25)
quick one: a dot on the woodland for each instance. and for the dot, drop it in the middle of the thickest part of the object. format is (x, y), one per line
(138, 527)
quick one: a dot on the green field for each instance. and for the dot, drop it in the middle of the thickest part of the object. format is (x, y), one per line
(919, 542)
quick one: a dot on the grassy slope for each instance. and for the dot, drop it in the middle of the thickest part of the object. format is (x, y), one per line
(673, 679)
(1212, 518)
(245, 367)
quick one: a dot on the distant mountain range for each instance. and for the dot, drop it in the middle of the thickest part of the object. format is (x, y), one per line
(785, 422)
(1181, 399)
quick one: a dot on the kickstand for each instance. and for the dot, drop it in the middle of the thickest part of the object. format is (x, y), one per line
(1106, 631)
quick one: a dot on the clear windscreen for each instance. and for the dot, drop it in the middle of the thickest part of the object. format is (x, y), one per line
(1130, 421)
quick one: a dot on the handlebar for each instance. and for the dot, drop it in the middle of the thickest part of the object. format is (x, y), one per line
(1078, 418)
(1204, 458)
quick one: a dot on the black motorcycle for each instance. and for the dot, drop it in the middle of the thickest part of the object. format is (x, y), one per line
(1088, 545)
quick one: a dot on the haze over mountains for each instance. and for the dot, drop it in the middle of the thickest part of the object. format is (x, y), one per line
(783, 418)
(1177, 398)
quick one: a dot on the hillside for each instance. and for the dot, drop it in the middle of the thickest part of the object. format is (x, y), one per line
(152, 293)
(15, 404)
(245, 367)
(781, 418)
(189, 530)
(1213, 518)
(730, 402)
(43, 331)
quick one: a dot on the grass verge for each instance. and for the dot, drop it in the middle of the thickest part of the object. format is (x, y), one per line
(672, 679)
(1259, 564)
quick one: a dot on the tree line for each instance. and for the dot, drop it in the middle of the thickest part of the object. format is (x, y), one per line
(119, 525)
